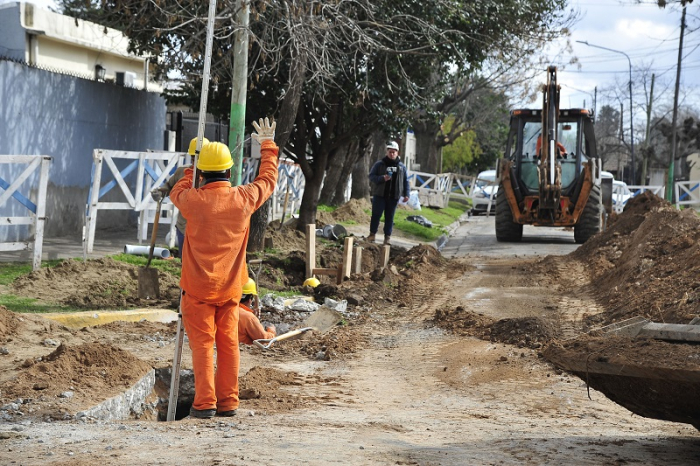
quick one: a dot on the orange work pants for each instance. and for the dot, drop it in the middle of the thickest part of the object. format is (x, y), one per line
(206, 323)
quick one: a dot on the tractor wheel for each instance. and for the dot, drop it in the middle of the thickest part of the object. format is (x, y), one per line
(506, 229)
(591, 220)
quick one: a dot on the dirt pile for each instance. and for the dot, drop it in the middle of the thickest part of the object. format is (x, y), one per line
(9, 322)
(95, 284)
(70, 379)
(646, 263)
(530, 332)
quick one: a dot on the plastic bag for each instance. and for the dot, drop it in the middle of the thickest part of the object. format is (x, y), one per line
(413, 201)
(420, 220)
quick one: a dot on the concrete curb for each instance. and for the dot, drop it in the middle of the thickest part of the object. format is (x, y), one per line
(91, 318)
(131, 403)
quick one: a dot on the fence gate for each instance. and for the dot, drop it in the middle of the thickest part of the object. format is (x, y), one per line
(145, 171)
(37, 211)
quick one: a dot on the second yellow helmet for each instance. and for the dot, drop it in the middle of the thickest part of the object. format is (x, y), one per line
(193, 145)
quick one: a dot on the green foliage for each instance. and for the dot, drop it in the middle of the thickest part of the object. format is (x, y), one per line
(457, 156)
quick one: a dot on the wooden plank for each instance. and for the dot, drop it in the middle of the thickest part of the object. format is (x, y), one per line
(310, 249)
(347, 257)
(384, 256)
(357, 259)
(329, 272)
(16, 246)
(7, 221)
(41, 213)
(671, 332)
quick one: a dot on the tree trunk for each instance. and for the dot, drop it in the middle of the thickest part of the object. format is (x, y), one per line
(258, 226)
(309, 200)
(333, 192)
(427, 149)
(372, 151)
(285, 124)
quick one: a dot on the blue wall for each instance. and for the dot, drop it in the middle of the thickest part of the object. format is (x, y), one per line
(44, 113)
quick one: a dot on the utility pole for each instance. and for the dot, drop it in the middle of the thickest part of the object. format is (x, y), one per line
(645, 154)
(674, 130)
(585, 42)
(239, 92)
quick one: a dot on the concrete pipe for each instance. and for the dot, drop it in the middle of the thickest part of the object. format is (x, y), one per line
(163, 253)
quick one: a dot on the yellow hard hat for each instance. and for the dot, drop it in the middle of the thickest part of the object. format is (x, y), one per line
(312, 282)
(214, 157)
(193, 145)
(250, 288)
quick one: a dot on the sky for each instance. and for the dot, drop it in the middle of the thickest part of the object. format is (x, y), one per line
(647, 34)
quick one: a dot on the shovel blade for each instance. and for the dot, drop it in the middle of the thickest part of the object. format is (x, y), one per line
(323, 319)
(149, 287)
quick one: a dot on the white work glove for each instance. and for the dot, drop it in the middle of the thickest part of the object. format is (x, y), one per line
(157, 194)
(265, 130)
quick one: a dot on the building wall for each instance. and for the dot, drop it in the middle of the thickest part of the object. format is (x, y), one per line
(44, 113)
(12, 36)
(61, 43)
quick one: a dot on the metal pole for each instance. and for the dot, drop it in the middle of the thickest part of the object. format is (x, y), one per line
(671, 176)
(239, 92)
(631, 103)
(179, 339)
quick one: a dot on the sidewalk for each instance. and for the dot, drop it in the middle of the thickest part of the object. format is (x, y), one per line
(71, 247)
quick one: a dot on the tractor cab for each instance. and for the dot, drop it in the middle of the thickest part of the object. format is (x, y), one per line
(576, 145)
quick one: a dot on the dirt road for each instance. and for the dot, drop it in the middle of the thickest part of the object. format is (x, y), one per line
(415, 393)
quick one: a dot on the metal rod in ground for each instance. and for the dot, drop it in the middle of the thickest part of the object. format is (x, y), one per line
(175, 377)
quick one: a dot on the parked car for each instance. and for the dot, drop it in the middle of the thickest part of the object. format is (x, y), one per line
(484, 189)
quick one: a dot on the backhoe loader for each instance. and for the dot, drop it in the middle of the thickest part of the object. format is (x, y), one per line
(550, 173)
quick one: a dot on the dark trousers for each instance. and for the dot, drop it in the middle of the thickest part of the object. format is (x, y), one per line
(383, 205)
(180, 241)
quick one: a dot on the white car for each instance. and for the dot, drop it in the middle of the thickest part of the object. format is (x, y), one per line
(485, 188)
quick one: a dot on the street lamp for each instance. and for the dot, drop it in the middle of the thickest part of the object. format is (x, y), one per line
(585, 42)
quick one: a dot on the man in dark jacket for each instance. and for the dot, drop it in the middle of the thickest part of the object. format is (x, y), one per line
(389, 180)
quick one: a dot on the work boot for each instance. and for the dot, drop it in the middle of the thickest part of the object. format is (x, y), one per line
(370, 238)
(387, 240)
(202, 413)
(229, 413)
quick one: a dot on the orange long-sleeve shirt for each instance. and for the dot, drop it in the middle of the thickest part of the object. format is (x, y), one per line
(218, 219)
(250, 328)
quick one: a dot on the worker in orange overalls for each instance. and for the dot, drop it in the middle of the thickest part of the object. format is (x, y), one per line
(538, 146)
(249, 327)
(214, 267)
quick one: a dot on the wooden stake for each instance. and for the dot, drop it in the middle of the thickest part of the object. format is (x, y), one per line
(310, 249)
(347, 257)
(357, 260)
(384, 256)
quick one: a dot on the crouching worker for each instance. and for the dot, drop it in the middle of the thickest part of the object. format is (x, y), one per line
(249, 327)
(214, 253)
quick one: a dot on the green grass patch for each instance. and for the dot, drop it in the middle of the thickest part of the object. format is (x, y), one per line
(325, 208)
(172, 266)
(9, 271)
(31, 305)
(441, 218)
